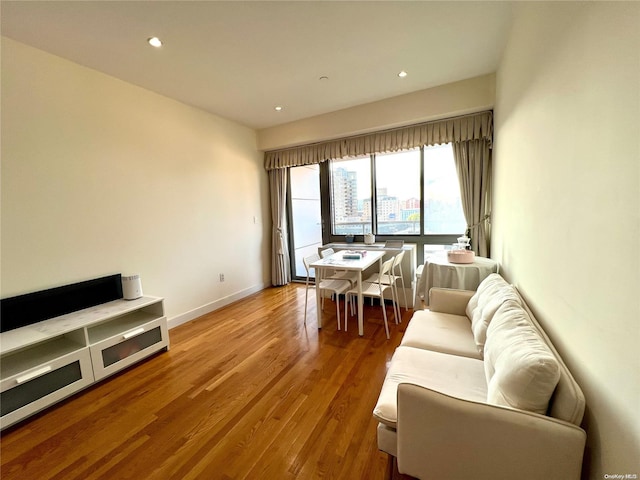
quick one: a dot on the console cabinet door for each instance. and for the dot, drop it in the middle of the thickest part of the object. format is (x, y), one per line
(36, 388)
(129, 347)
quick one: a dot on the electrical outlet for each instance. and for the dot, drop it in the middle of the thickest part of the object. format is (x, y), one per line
(222, 277)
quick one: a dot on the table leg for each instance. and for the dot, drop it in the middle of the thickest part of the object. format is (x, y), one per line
(360, 305)
(318, 298)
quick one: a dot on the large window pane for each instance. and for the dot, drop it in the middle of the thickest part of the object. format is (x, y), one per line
(305, 213)
(398, 193)
(351, 196)
(398, 206)
(442, 205)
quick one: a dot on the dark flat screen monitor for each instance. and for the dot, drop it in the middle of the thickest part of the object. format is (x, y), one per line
(23, 310)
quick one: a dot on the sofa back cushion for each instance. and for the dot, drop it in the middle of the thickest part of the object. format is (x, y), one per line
(492, 292)
(522, 372)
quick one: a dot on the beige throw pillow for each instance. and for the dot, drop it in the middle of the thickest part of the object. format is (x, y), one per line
(492, 292)
(521, 370)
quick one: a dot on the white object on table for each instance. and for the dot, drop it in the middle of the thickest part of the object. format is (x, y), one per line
(439, 272)
(359, 265)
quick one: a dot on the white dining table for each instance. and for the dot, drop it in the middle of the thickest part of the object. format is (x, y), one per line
(336, 261)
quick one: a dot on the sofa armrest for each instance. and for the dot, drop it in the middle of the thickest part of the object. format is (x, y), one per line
(449, 300)
(445, 437)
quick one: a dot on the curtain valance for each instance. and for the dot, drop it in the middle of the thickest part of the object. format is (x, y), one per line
(478, 126)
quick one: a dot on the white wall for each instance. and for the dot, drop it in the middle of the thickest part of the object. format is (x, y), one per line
(100, 176)
(566, 217)
(458, 98)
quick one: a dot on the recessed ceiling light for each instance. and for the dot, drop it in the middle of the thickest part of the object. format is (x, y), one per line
(154, 42)
(278, 108)
(402, 74)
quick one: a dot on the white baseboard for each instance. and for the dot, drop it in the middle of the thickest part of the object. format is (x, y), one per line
(210, 307)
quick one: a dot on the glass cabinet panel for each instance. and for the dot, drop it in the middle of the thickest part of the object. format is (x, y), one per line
(28, 392)
(131, 346)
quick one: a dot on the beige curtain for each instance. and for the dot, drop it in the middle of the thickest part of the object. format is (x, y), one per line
(473, 164)
(280, 267)
(458, 129)
(471, 136)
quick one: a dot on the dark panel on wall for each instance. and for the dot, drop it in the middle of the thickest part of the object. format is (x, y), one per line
(35, 307)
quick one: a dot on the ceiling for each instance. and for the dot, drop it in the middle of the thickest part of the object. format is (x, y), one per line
(240, 59)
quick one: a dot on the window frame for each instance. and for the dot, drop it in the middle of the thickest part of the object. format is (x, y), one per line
(420, 239)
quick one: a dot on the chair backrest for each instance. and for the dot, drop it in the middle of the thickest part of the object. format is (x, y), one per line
(394, 244)
(398, 259)
(308, 261)
(386, 266)
(326, 252)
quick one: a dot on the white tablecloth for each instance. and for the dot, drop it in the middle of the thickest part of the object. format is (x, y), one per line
(439, 272)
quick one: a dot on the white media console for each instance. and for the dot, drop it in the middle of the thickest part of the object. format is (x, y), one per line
(45, 362)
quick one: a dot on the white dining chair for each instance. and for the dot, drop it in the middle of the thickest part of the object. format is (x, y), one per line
(326, 252)
(374, 290)
(336, 287)
(392, 278)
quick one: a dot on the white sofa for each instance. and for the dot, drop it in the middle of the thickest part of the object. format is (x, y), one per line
(477, 391)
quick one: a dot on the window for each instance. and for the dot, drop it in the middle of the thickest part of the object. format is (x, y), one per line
(417, 198)
(427, 212)
(351, 196)
(305, 220)
(398, 193)
(442, 204)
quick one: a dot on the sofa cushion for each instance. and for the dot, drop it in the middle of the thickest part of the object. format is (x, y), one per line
(521, 370)
(492, 292)
(441, 332)
(449, 300)
(452, 375)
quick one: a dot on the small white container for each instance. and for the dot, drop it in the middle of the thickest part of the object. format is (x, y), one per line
(131, 287)
(369, 238)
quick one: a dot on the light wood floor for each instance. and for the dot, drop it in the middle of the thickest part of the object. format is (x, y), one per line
(244, 392)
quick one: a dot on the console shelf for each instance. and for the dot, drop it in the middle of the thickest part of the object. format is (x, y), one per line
(39, 354)
(46, 362)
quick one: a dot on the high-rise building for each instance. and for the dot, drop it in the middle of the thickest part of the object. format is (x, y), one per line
(345, 194)
(388, 208)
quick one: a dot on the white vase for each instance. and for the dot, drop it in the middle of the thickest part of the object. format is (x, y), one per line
(369, 238)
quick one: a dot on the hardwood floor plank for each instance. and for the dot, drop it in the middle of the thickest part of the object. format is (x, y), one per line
(246, 392)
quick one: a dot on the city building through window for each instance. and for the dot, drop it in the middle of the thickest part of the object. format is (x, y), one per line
(417, 199)
(401, 200)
